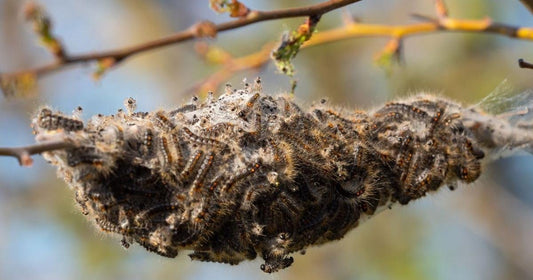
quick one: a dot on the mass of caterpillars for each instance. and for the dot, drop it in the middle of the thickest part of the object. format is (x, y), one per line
(249, 175)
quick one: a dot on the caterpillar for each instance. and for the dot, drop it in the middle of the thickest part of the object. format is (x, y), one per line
(248, 174)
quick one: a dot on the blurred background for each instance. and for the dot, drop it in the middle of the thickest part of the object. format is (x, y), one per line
(480, 231)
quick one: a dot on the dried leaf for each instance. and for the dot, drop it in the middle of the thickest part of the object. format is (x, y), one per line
(237, 9)
(233, 7)
(218, 6)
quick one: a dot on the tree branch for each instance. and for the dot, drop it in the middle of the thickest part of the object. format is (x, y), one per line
(528, 4)
(197, 30)
(524, 64)
(23, 153)
(353, 30)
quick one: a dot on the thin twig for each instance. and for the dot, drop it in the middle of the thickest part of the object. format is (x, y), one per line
(23, 154)
(524, 64)
(357, 30)
(195, 31)
(231, 66)
(528, 4)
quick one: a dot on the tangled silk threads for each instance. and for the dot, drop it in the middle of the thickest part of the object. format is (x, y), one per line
(248, 174)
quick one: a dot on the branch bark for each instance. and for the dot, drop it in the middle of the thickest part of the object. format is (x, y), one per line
(23, 154)
(252, 17)
(528, 4)
(524, 64)
(352, 30)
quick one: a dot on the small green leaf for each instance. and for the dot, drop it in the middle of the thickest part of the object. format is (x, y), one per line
(290, 45)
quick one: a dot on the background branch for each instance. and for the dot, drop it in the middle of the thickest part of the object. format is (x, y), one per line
(201, 29)
(351, 30)
(528, 4)
(524, 64)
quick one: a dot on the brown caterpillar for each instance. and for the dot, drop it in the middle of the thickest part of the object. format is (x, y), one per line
(249, 174)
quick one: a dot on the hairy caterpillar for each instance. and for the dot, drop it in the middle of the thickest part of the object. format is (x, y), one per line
(248, 174)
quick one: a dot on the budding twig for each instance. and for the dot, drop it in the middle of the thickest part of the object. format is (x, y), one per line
(200, 29)
(108, 59)
(23, 154)
(354, 29)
